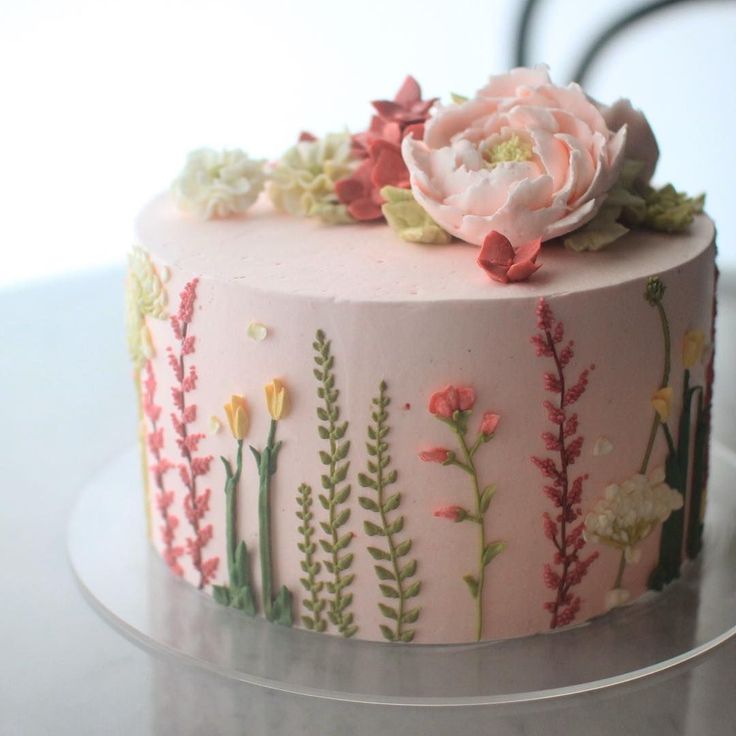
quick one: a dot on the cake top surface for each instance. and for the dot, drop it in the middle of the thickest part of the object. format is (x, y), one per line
(271, 251)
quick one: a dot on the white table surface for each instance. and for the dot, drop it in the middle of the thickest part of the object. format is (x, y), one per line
(67, 409)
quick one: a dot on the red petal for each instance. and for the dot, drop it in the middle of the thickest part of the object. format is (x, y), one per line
(350, 189)
(364, 209)
(390, 169)
(305, 135)
(522, 271)
(409, 92)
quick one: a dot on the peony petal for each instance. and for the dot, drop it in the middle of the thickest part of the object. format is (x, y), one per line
(507, 85)
(641, 145)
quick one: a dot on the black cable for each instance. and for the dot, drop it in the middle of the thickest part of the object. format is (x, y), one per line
(613, 30)
(521, 50)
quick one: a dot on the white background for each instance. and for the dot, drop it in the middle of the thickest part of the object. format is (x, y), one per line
(101, 100)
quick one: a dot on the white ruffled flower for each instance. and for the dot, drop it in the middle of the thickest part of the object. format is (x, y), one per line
(218, 183)
(630, 511)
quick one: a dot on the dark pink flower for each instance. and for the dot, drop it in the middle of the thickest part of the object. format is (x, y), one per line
(453, 513)
(450, 399)
(504, 264)
(489, 423)
(435, 455)
(380, 146)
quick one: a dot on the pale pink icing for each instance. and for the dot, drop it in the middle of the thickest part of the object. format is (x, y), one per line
(422, 318)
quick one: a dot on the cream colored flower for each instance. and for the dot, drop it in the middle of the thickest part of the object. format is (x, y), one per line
(616, 597)
(303, 181)
(145, 296)
(238, 418)
(276, 399)
(630, 511)
(218, 183)
(692, 347)
(662, 402)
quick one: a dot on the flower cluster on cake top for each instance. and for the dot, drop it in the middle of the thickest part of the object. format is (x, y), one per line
(523, 162)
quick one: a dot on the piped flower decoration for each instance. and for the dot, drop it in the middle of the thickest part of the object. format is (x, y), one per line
(662, 402)
(525, 158)
(502, 263)
(380, 149)
(302, 182)
(692, 347)
(218, 183)
(629, 512)
(238, 417)
(275, 399)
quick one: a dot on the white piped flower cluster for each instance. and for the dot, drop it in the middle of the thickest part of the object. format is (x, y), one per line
(218, 183)
(629, 512)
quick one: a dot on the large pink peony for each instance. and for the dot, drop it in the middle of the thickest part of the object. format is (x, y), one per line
(525, 158)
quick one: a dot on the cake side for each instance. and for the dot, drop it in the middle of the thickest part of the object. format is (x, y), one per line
(266, 297)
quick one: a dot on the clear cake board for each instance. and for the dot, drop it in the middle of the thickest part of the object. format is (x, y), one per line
(130, 586)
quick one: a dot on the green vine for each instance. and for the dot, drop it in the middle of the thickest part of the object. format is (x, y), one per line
(394, 580)
(311, 567)
(239, 593)
(337, 491)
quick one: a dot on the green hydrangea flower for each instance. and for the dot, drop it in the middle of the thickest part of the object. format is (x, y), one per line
(408, 220)
(303, 181)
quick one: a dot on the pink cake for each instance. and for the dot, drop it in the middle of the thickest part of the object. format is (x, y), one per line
(438, 456)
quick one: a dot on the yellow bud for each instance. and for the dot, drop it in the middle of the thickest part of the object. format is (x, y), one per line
(237, 416)
(662, 401)
(276, 399)
(692, 347)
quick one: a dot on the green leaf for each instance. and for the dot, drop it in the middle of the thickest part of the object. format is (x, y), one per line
(342, 495)
(408, 220)
(408, 570)
(368, 504)
(410, 617)
(413, 590)
(322, 414)
(340, 474)
(323, 432)
(391, 478)
(373, 530)
(241, 564)
(389, 591)
(367, 482)
(384, 573)
(343, 541)
(387, 633)
(341, 518)
(342, 451)
(458, 99)
(378, 554)
(407, 636)
(392, 502)
(601, 231)
(345, 562)
(487, 497)
(281, 608)
(396, 526)
(324, 501)
(492, 550)
(403, 548)
(221, 594)
(389, 612)
(472, 584)
(325, 457)
(327, 546)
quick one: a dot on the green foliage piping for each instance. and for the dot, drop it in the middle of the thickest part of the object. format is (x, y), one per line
(311, 567)
(337, 491)
(395, 577)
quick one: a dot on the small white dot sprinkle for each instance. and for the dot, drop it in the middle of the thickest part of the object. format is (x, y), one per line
(257, 331)
(602, 446)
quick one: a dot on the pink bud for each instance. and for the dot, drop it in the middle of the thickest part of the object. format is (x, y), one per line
(489, 423)
(444, 403)
(435, 455)
(453, 513)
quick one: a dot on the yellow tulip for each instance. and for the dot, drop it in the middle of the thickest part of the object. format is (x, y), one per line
(237, 416)
(276, 399)
(662, 401)
(692, 347)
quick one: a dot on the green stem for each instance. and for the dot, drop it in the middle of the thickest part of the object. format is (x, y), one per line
(665, 381)
(481, 532)
(231, 489)
(620, 573)
(265, 470)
